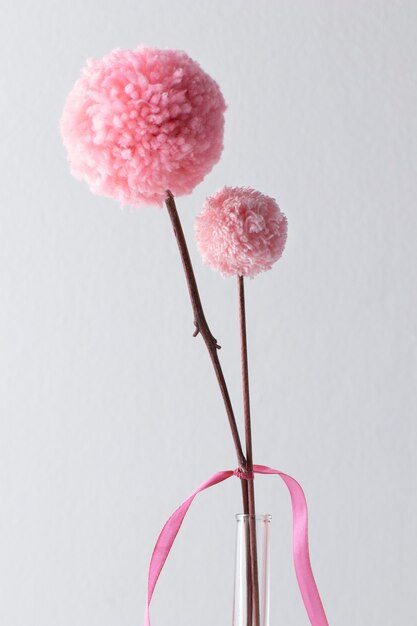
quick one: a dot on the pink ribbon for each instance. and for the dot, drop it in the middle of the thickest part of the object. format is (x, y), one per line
(305, 578)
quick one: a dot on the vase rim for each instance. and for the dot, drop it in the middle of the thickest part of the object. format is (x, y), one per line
(261, 517)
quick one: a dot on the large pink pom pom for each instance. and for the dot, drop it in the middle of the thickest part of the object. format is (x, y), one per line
(139, 122)
(240, 232)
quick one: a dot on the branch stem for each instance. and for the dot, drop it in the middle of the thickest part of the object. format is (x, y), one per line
(249, 456)
(201, 327)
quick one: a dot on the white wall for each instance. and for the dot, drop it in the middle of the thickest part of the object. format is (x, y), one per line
(110, 413)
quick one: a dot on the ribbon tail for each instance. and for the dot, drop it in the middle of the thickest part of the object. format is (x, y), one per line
(301, 555)
(168, 534)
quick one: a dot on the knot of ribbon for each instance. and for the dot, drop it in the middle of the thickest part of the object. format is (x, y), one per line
(301, 556)
(240, 473)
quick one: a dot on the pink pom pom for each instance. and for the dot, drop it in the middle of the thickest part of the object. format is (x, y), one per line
(240, 232)
(139, 122)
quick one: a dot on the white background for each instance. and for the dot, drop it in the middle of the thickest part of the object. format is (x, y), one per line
(110, 414)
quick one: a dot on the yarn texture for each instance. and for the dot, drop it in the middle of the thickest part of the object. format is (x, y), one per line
(139, 122)
(240, 231)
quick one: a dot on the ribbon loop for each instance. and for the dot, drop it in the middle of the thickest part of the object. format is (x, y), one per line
(301, 556)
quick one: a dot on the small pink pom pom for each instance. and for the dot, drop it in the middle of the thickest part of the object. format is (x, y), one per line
(240, 232)
(139, 122)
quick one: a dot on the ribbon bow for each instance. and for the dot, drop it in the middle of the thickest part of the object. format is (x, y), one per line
(305, 578)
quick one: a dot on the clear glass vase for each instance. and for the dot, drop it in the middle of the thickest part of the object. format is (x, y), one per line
(244, 609)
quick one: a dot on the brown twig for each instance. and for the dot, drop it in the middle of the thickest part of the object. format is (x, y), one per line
(249, 456)
(202, 327)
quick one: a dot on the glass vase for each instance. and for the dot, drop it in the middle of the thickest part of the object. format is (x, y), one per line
(244, 608)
